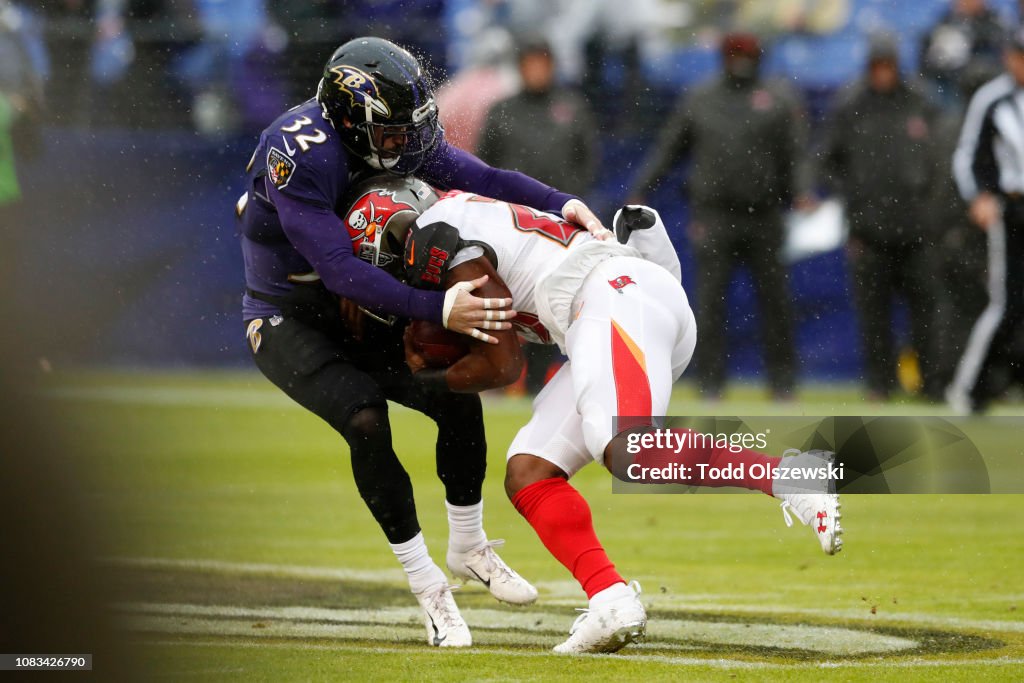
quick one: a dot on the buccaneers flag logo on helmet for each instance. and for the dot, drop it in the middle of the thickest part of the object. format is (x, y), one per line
(368, 221)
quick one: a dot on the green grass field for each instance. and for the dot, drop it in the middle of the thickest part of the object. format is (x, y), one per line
(243, 552)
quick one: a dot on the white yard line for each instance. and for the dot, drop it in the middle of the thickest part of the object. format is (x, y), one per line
(492, 627)
(567, 593)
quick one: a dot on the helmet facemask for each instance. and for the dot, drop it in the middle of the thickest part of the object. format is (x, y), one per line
(400, 149)
(376, 95)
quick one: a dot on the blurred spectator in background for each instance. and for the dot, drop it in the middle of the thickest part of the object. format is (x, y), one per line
(745, 137)
(791, 16)
(489, 77)
(768, 18)
(543, 131)
(312, 31)
(214, 69)
(597, 44)
(969, 34)
(877, 154)
(549, 134)
(989, 169)
(113, 50)
(961, 286)
(70, 25)
(115, 60)
(27, 23)
(21, 107)
(131, 63)
(600, 45)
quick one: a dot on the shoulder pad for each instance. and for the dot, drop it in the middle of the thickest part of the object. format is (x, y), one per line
(429, 250)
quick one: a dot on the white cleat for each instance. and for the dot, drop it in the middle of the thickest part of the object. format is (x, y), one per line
(607, 628)
(819, 509)
(445, 626)
(484, 565)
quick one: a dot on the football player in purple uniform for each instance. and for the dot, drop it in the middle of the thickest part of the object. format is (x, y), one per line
(374, 110)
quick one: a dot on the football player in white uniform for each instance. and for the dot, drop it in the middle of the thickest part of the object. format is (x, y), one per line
(616, 308)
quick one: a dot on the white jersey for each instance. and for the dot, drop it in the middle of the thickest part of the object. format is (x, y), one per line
(542, 258)
(618, 312)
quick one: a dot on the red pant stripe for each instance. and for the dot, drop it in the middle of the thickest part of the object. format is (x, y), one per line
(632, 388)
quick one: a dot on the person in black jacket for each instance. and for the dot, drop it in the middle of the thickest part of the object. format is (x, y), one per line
(544, 131)
(968, 37)
(961, 286)
(744, 137)
(549, 134)
(877, 154)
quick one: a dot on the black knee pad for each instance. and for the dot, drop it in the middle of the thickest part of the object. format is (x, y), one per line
(366, 425)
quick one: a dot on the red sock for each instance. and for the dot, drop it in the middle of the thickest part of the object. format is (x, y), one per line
(561, 518)
(702, 452)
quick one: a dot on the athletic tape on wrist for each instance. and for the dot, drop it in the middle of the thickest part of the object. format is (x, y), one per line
(449, 299)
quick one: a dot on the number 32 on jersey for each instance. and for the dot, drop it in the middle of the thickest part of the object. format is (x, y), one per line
(280, 164)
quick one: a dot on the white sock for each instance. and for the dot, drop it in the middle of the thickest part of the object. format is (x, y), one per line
(423, 573)
(465, 527)
(610, 594)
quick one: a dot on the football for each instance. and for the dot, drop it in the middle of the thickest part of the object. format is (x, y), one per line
(440, 347)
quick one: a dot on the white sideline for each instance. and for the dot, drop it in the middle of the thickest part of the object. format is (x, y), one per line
(261, 397)
(263, 569)
(627, 655)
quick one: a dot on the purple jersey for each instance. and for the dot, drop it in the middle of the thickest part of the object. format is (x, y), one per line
(292, 229)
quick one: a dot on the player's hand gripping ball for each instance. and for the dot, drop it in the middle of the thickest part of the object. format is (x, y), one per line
(435, 345)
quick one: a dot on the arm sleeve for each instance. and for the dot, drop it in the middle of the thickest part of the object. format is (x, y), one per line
(318, 234)
(984, 167)
(974, 162)
(453, 168)
(673, 143)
